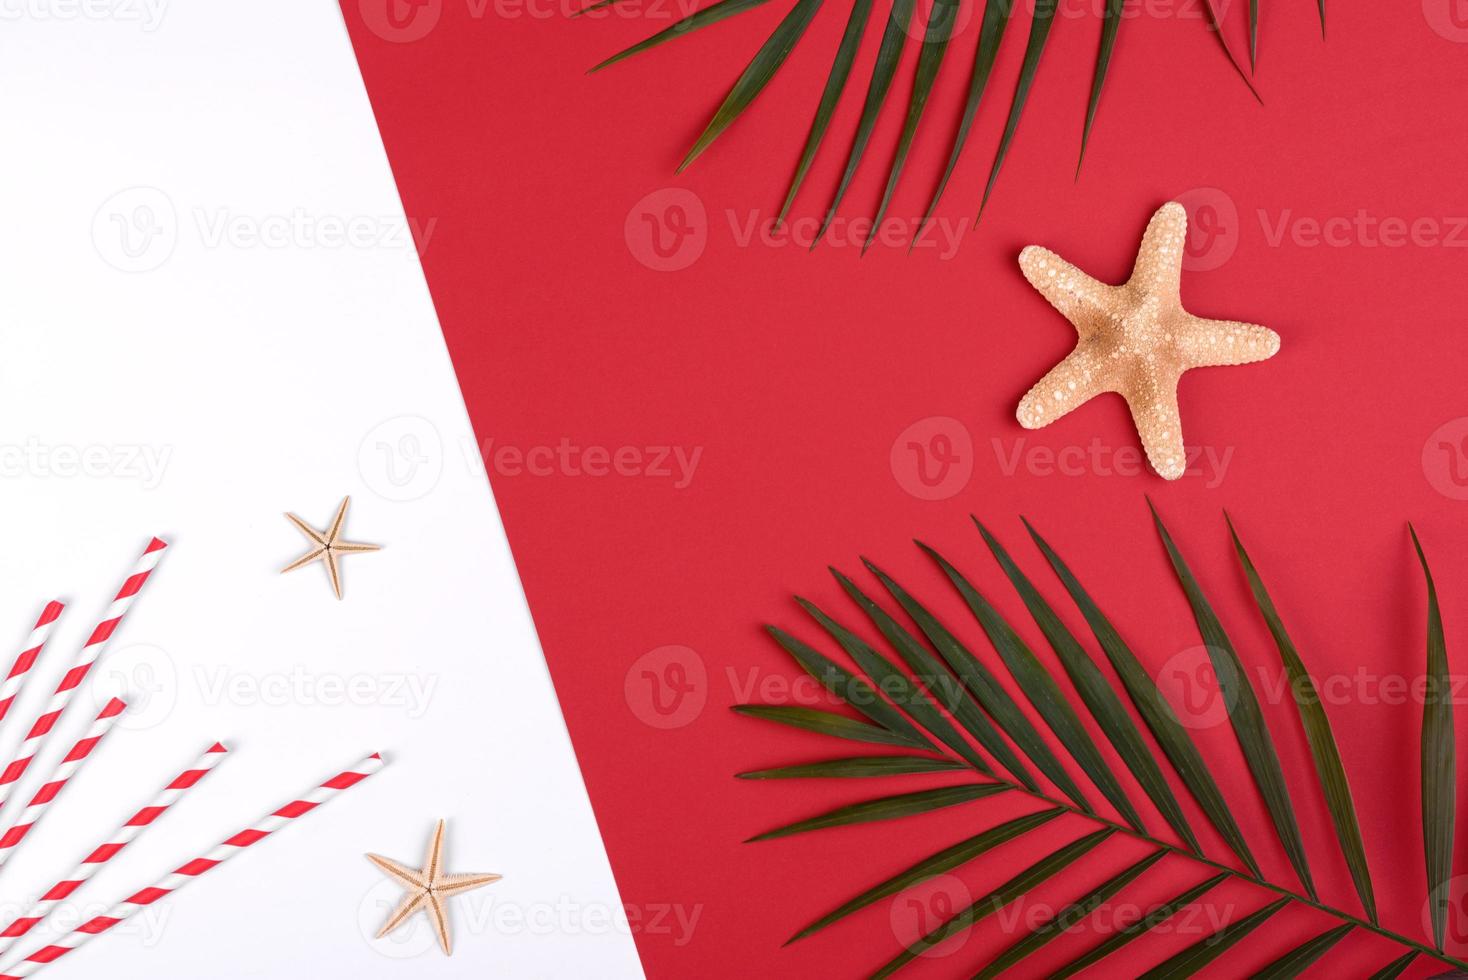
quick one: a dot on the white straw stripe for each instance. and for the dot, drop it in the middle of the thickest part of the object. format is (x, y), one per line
(21, 828)
(193, 869)
(140, 821)
(48, 719)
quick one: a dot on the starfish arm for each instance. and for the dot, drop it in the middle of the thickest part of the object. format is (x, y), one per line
(440, 917)
(1214, 343)
(1153, 403)
(305, 559)
(338, 520)
(411, 903)
(352, 547)
(306, 529)
(1159, 266)
(411, 877)
(334, 571)
(1074, 381)
(433, 860)
(450, 885)
(1076, 295)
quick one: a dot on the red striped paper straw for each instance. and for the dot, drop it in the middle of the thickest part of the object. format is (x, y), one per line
(43, 725)
(63, 772)
(26, 659)
(125, 835)
(193, 869)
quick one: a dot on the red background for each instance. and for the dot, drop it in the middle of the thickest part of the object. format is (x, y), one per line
(794, 373)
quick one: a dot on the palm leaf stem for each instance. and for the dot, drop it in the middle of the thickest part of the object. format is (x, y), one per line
(1244, 876)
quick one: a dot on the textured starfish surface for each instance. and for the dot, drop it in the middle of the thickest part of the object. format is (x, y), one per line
(1135, 339)
(427, 888)
(328, 546)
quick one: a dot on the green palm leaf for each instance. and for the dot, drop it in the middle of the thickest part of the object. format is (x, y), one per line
(887, 808)
(592, 8)
(909, 695)
(767, 60)
(1042, 691)
(889, 52)
(1137, 929)
(848, 687)
(1439, 785)
(1010, 718)
(941, 863)
(1111, 21)
(772, 54)
(932, 674)
(1217, 28)
(1044, 18)
(1253, 34)
(1174, 740)
(711, 14)
(1205, 951)
(1067, 918)
(1323, 749)
(1396, 967)
(991, 32)
(1299, 959)
(1244, 713)
(1028, 879)
(822, 722)
(856, 25)
(930, 60)
(1098, 696)
(929, 672)
(990, 693)
(858, 767)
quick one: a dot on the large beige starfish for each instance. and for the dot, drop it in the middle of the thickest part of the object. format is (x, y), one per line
(428, 886)
(327, 546)
(1135, 339)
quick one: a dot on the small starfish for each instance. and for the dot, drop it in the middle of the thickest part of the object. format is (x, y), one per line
(428, 886)
(328, 546)
(1135, 339)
